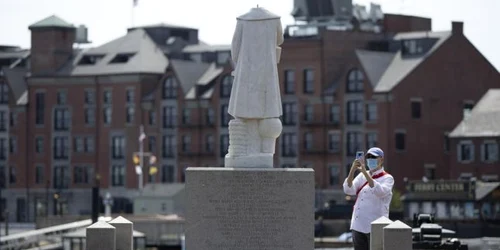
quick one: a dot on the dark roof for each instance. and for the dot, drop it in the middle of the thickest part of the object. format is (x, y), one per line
(484, 120)
(401, 66)
(51, 21)
(16, 77)
(375, 63)
(188, 73)
(143, 57)
(163, 25)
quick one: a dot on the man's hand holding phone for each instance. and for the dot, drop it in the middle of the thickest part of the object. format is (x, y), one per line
(359, 161)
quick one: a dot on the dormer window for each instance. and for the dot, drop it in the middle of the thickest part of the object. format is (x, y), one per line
(170, 88)
(355, 80)
(222, 57)
(122, 58)
(90, 59)
(225, 89)
(412, 47)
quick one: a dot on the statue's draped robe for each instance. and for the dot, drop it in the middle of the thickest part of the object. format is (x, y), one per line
(255, 52)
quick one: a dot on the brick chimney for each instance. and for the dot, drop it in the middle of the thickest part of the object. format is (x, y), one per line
(52, 42)
(457, 28)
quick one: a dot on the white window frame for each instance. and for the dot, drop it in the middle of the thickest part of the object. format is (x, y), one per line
(459, 151)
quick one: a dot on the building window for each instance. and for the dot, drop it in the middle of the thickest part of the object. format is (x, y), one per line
(371, 140)
(169, 145)
(308, 113)
(40, 108)
(224, 145)
(61, 98)
(3, 121)
(169, 116)
(167, 174)
(446, 143)
(209, 143)
(39, 149)
(430, 171)
(465, 152)
(226, 85)
(88, 144)
(186, 143)
(334, 175)
(308, 81)
(81, 174)
(289, 81)
(371, 112)
(3, 149)
(12, 144)
(89, 97)
(3, 182)
(170, 88)
(39, 174)
(223, 57)
(186, 115)
(61, 147)
(355, 80)
(89, 116)
(334, 142)
(118, 175)
(130, 96)
(289, 145)
(354, 143)
(4, 93)
(334, 116)
(152, 144)
(289, 113)
(308, 141)
(489, 152)
(61, 177)
(117, 147)
(224, 116)
(416, 107)
(152, 117)
(107, 112)
(412, 47)
(13, 119)
(107, 97)
(12, 175)
(130, 114)
(354, 112)
(62, 119)
(78, 144)
(210, 116)
(400, 141)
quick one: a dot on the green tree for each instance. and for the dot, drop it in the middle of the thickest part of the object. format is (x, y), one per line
(396, 204)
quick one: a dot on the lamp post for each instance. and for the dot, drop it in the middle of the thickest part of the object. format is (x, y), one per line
(108, 202)
(138, 159)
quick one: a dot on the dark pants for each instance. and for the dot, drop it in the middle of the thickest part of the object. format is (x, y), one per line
(361, 241)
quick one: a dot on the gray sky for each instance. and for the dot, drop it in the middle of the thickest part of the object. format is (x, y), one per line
(108, 19)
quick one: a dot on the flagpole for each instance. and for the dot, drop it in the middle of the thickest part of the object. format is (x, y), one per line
(141, 156)
(134, 3)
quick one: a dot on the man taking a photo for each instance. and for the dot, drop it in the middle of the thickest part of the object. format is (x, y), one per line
(373, 190)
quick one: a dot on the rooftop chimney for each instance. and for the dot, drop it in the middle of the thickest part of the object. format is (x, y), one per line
(457, 27)
(52, 42)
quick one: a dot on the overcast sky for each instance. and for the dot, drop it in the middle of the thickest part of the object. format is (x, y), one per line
(109, 19)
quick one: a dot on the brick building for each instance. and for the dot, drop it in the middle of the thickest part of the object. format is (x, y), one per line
(473, 144)
(347, 84)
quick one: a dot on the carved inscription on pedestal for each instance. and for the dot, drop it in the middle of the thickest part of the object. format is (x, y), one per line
(251, 210)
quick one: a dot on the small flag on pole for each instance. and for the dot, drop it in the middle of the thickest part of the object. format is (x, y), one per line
(142, 137)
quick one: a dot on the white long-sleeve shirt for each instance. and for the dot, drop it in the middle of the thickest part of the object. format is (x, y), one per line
(371, 202)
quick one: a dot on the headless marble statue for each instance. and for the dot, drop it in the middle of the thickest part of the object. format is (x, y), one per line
(255, 101)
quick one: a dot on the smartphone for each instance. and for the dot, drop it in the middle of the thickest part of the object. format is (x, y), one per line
(359, 155)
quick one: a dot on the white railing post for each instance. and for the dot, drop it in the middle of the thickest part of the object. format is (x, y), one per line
(377, 234)
(398, 236)
(124, 233)
(101, 236)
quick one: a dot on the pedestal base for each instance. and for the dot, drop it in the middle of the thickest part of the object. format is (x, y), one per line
(249, 209)
(249, 161)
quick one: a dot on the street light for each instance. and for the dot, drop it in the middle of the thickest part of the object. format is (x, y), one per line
(138, 159)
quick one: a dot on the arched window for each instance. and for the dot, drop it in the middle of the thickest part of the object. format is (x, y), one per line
(355, 81)
(170, 88)
(225, 88)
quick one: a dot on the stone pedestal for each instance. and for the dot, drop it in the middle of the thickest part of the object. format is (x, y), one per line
(249, 209)
(124, 233)
(398, 236)
(377, 233)
(101, 236)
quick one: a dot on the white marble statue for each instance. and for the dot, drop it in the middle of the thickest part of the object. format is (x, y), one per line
(255, 101)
